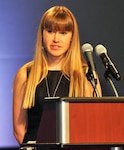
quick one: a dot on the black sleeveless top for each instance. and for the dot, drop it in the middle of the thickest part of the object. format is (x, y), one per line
(35, 113)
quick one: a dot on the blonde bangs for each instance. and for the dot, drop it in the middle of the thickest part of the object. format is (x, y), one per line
(60, 22)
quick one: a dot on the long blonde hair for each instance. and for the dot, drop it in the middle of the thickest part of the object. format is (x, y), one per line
(74, 66)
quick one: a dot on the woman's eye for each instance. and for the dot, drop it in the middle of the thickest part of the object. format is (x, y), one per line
(50, 31)
(63, 32)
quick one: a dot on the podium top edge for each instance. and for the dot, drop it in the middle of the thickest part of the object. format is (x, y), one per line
(105, 99)
(94, 99)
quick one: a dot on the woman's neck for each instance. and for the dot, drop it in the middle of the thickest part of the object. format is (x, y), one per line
(54, 66)
(55, 63)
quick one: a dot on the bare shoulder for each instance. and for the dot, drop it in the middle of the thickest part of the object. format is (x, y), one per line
(21, 75)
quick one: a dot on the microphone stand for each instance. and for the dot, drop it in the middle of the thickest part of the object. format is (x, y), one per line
(108, 78)
(93, 82)
(94, 87)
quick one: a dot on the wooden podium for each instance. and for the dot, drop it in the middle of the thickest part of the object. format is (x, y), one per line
(81, 122)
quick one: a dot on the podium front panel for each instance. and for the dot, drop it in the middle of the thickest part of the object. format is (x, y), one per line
(96, 122)
(83, 121)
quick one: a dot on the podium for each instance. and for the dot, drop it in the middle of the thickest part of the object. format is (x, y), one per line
(82, 122)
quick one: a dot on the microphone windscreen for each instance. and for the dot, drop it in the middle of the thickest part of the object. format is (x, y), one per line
(87, 47)
(100, 49)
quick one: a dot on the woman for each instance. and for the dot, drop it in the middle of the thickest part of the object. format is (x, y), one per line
(58, 69)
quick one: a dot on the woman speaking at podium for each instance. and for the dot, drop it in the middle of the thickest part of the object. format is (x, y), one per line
(58, 69)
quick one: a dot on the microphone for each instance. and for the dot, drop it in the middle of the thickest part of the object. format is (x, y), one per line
(109, 66)
(87, 50)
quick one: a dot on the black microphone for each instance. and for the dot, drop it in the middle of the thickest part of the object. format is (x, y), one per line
(108, 64)
(87, 50)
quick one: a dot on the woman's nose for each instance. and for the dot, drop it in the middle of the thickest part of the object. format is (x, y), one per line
(56, 37)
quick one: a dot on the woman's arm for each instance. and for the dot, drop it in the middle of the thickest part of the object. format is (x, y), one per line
(19, 114)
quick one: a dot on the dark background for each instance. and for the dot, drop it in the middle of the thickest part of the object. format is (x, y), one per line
(100, 21)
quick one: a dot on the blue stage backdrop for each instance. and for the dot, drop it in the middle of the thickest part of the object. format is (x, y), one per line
(99, 22)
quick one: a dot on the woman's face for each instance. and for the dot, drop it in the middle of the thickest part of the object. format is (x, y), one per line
(56, 43)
